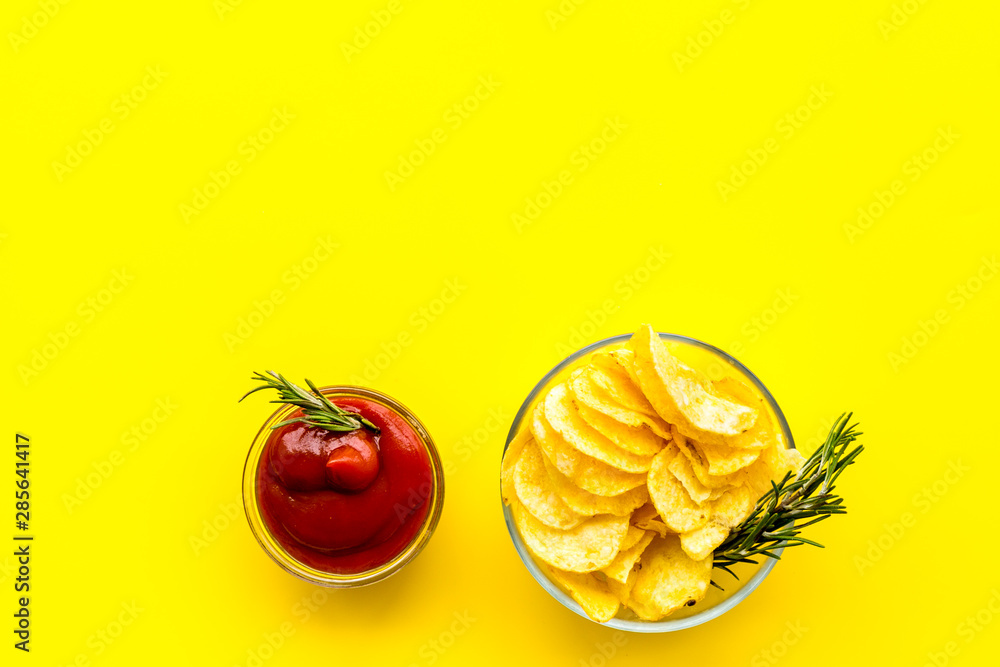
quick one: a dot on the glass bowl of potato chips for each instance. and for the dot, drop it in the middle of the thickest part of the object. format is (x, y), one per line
(628, 464)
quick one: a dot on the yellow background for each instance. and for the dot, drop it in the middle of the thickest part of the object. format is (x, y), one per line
(525, 294)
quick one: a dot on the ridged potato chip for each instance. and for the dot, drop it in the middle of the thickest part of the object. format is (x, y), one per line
(723, 460)
(632, 537)
(562, 416)
(585, 502)
(622, 565)
(761, 434)
(591, 593)
(681, 467)
(622, 590)
(772, 464)
(586, 472)
(510, 458)
(591, 394)
(537, 493)
(668, 579)
(592, 545)
(700, 466)
(646, 518)
(613, 377)
(640, 441)
(701, 543)
(672, 502)
(727, 512)
(733, 506)
(682, 396)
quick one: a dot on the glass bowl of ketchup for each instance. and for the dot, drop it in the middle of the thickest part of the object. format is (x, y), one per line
(344, 509)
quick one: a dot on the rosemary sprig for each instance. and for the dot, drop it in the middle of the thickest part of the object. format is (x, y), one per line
(317, 410)
(793, 503)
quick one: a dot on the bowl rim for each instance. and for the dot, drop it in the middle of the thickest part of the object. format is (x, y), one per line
(328, 579)
(669, 625)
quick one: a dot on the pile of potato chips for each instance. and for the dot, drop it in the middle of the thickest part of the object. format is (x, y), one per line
(631, 472)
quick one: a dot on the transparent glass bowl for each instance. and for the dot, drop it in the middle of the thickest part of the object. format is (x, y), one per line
(274, 548)
(695, 353)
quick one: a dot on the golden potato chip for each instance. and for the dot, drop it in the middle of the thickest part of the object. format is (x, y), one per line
(733, 506)
(566, 421)
(681, 467)
(586, 472)
(644, 513)
(682, 396)
(626, 360)
(793, 459)
(738, 391)
(587, 392)
(723, 460)
(646, 518)
(592, 545)
(672, 502)
(598, 602)
(637, 440)
(622, 590)
(700, 466)
(701, 543)
(761, 434)
(585, 502)
(510, 458)
(632, 537)
(615, 380)
(537, 493)
(667, 579)
(622, 565)
(717, 493)
(773, 463)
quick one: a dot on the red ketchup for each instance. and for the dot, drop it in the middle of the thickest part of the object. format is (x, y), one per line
(349, 502)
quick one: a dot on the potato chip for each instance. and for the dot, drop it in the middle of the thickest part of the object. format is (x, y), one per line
(723, 460)
(700, 466)
(622, 590)
(626, 359)
(793, 459)
(717, 493)
(654, 526)
(585, 502)
(632, 537)
(668, 579)
(700, 543)
(738, 391)
(761, 434)
(637, 440)
(727, 512)
(644, 513)
(615, 380)
(587, 392)
(592, 545)
(680, 466)
(622, 565)
(586, 472)
(566, 421)
(672, 502)
(772, 464)
(598, 602)
(733, 506)
(510, 458)
(682, 396)
(537, 493)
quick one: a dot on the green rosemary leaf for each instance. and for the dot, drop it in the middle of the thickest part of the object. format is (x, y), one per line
(317, 410)
(793, 503)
